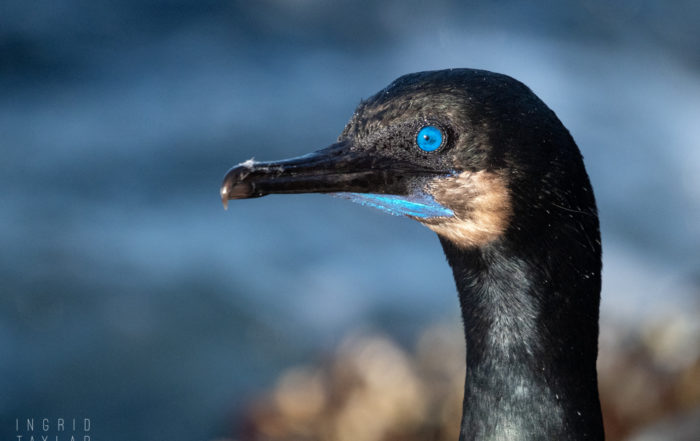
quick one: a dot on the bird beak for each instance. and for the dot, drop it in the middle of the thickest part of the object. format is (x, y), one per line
(338, 168)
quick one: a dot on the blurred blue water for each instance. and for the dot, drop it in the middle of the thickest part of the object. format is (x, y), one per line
(129, 295)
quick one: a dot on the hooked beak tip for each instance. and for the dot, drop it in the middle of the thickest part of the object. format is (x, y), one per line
(235, 185)
(224, 196)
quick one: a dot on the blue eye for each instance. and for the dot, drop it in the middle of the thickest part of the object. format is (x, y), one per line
(429, 138)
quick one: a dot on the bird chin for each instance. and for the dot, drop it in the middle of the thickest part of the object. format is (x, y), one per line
(419, 206)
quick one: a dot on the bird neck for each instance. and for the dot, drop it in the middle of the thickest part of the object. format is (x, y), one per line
(531, 345)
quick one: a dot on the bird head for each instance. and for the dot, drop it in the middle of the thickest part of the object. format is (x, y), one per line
(458, 150)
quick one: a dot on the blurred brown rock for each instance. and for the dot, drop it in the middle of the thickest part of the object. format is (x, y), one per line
(371, 389)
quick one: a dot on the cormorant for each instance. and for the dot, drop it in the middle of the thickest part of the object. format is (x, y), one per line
(478, 158)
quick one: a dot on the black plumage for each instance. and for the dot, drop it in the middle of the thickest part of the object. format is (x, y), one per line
(509, 197)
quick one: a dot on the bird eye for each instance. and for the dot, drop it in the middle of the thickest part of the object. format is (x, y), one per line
(429, 138)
